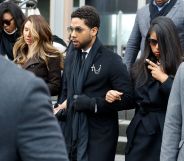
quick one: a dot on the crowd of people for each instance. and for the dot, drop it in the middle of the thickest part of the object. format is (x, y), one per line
(92, 84)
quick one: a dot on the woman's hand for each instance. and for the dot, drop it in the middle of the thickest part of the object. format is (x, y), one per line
(113, 95)
(60, 107)
(157, 71)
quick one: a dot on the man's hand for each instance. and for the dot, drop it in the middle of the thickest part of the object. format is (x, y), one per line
(113, 95)
(60, 107)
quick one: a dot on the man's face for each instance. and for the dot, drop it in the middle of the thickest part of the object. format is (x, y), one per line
(81, 35)
(160, 3)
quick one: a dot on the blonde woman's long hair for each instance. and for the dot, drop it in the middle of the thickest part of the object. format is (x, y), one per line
(42, 47)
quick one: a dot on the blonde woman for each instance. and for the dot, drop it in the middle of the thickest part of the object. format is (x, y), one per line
(34, 52)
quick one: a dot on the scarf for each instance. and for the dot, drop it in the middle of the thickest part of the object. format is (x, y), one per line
(76, 127)
(154, 12)
(7, 42)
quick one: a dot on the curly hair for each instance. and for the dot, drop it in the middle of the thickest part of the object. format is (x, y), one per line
(89, 14)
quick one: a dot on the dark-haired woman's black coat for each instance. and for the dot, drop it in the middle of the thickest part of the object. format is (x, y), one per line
(7, 42)
(145, 130)
(107, 72)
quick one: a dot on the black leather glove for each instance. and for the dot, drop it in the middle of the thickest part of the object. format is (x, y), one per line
(61, 115)
(83, 103)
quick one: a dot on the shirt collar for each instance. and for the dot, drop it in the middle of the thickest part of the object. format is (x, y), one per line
(87, 51)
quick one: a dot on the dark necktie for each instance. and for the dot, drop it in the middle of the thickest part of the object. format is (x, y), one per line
(84, 56)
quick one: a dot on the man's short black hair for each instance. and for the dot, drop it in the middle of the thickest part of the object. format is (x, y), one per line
(89, 14)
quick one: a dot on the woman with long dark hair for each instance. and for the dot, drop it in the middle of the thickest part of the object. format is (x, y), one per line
(11, 19)
(152, 77)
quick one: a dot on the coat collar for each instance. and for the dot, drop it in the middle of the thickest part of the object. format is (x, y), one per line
(30, 62)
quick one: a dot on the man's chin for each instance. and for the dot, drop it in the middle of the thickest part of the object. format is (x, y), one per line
(160, 5)
(76, 45)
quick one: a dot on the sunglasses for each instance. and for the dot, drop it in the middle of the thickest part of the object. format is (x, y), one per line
(70, 29)
(152, 42)
(7, 22)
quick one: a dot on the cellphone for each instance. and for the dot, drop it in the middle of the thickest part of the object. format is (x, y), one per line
(151, 58)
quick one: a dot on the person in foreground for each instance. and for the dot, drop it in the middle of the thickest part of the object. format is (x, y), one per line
(29, 130)
(152, 75)
(35, 52)
(172, 148)
(91, 127)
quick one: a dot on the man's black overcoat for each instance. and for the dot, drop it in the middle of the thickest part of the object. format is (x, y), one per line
(107, 72)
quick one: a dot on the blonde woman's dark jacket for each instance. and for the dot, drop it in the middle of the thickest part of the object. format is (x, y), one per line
(50, 73)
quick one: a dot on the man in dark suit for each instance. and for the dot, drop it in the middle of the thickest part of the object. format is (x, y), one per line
(91, 127)
(29, 130)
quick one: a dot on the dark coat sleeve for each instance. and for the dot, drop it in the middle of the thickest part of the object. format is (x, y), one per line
(166, 86)
(63, 94)
(67, 64)
(38, 134)
(54, 75)
(120, 81)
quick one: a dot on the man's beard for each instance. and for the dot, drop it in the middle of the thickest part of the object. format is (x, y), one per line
(85, 44)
